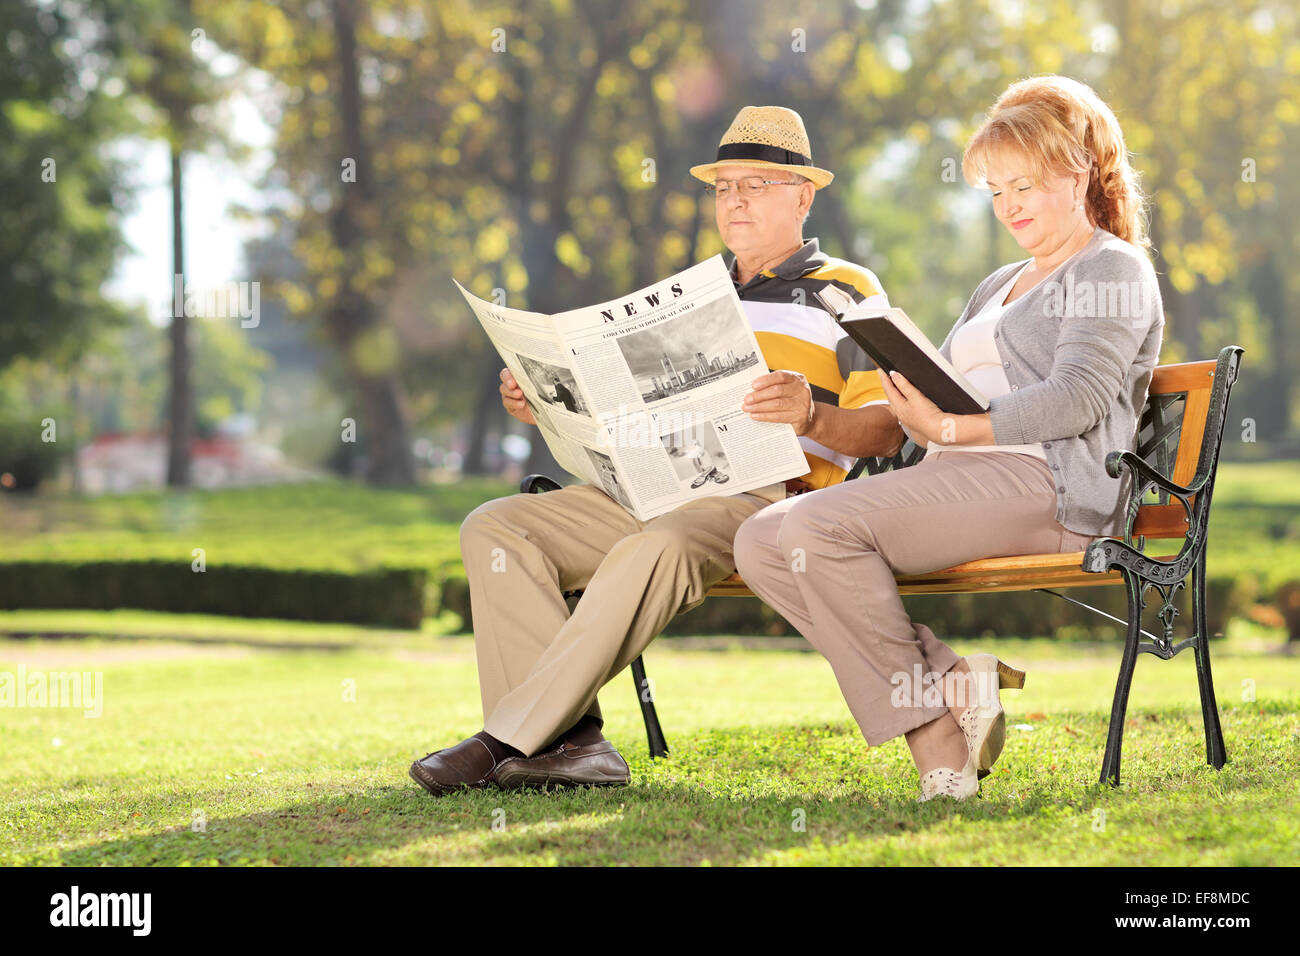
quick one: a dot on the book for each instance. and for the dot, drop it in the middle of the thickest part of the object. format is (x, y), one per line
(895, 343)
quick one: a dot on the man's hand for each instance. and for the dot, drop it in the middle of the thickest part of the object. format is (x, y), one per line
(512, 397)
(781, 396)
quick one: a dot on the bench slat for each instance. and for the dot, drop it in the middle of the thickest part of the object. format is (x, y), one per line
(1182, 377)
(1195, 411)
(1018, 573)
(1161, 521)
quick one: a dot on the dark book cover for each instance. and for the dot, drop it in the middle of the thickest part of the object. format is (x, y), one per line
(895, 344)
(892, 349)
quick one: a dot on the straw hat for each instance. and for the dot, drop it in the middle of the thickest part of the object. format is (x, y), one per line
(766, 136)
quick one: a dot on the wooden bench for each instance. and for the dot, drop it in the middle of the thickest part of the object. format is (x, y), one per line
(1172, 470)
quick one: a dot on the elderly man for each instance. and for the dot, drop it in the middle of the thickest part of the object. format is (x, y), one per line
(540, 667)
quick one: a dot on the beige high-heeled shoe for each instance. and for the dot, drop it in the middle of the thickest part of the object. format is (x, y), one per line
(985, 726)
(984, 723)
(946, 782)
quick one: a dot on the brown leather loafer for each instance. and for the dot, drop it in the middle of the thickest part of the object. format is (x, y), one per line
(468, 765)
(566, 765)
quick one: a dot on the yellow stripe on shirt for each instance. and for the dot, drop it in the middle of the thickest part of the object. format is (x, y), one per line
(817, 364)
(862, 387)
(860, 277)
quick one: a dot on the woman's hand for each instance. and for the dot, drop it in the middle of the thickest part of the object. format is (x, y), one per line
(925, 420)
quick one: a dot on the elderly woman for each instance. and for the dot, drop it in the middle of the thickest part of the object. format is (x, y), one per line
(1063, 345)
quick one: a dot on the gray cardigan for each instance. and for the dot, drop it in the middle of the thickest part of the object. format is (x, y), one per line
(1078, 350)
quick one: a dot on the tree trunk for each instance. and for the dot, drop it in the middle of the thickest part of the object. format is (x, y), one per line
(1170, 298)
(1274, 417)
(74, 419)
(181, 399)
(486, 400)
(389, 460)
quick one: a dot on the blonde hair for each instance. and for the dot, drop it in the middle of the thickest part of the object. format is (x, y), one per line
(1063, 127)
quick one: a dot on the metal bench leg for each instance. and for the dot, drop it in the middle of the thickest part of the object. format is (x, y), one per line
(1216, 754)
(1115, 734)
(654, 733)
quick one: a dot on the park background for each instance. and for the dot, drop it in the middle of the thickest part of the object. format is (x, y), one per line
(344, 159)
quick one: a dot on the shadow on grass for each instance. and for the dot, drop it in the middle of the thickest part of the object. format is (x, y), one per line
(646, 824)
(726, 799)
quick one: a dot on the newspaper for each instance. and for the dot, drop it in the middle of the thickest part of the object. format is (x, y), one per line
(641, 396)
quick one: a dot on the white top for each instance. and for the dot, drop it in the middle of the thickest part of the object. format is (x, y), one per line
(975, 355)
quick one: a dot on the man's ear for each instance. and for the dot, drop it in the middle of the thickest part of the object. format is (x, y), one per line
(807, 192)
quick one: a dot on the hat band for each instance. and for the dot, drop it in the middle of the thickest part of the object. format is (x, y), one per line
(770, 154)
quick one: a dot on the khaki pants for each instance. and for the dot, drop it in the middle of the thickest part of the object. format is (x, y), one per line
(540, 668)
(826, 561)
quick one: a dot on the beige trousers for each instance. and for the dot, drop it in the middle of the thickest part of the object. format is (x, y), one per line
(826, 561)
(540, 667)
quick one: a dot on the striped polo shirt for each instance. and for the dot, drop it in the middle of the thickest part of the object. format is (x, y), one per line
(795, 332)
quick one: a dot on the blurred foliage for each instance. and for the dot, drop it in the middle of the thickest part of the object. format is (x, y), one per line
(540, 149)
(161, 63)
(29, 449)
(59, 217)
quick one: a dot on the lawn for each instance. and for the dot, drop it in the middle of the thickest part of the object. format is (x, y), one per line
(230, 741)
(247, 750)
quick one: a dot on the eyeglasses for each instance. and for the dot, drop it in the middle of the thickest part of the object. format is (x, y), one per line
(749, 188)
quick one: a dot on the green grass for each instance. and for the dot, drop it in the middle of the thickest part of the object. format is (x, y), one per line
(204, 628)
(244, 722)
(1255, 522)
(259, 741)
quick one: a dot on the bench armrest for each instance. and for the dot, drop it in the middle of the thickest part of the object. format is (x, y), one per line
(1117, 461)
(535, 484)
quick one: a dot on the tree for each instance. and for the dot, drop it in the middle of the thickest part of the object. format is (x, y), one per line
(158, 48)
(59, 235)
(540, 151)
(344, 233)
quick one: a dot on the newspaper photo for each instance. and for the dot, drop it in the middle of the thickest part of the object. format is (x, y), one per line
(641, 396)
